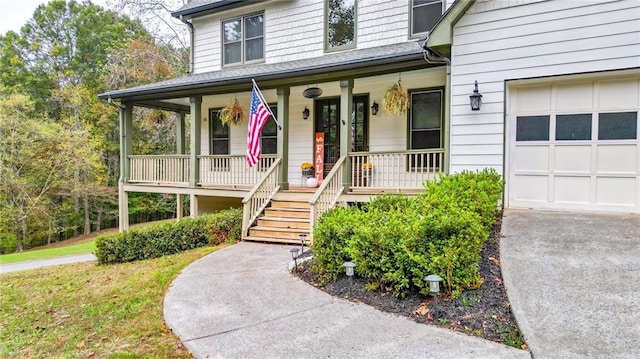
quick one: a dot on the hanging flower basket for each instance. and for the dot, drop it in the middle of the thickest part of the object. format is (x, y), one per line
(233, 113)
(396, 100)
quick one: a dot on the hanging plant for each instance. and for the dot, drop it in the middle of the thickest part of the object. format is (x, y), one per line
(233, 113)
(396, 99)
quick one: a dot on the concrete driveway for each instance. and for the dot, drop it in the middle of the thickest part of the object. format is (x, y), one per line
(573, 280)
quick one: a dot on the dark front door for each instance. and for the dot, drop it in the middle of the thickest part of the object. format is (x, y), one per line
(327, 120)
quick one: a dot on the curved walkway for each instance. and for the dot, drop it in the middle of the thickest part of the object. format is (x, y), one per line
(573, 280)
(241, 302)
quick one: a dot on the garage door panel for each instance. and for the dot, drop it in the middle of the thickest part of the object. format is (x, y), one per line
(574, 97)
(533, 99)
(617, 159)
(571, 189)
(531, 159)
(615, 191)
(618, 94)
(573, 159)
(530, 188)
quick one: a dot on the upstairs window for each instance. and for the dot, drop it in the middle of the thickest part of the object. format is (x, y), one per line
(424, 15)
(243, 39)
(340, 24)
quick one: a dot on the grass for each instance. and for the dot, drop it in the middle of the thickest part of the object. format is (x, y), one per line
(85, 247)
(84, 310)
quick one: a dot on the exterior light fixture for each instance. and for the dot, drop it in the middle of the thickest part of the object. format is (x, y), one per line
(312, 92)
(374, 108)
(294, 256)
(302, 239)
(434, 288)
(475, 99)
(348, 269)
(305, 113)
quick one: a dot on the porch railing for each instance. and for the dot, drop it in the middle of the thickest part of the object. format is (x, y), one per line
(169, 169)
(396, 169)
(260, 195)
(327, 195)
(232, 170)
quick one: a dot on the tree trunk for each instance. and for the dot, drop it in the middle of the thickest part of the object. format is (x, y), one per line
(23, 235)
(99, 219)
(76, 211)
(87, 214)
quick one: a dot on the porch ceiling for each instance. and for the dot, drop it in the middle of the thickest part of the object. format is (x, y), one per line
(331, 67)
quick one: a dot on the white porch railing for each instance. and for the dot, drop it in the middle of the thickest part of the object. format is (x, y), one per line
(327, 195)
(232, 170)
(162, 169)
(397, 169)
(260, 195)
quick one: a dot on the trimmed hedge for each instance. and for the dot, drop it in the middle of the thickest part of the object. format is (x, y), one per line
(397, 240)
(169, 238)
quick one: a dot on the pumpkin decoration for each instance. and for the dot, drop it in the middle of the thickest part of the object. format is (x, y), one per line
(233, 113)
(396, 99)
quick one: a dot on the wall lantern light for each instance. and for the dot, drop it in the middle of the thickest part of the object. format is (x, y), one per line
(305, 113)
(374, 108)
(475, 98)
(312, 92)
(434, 287)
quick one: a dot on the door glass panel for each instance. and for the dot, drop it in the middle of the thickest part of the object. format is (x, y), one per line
(618, 126)
(573, 127)
(532, 128)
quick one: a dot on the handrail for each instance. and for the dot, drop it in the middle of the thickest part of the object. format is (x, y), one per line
(260, 195)
(327, 195)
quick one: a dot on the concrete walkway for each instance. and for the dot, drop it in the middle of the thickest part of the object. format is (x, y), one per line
(574, 282)
(14, 267)
(240, 302)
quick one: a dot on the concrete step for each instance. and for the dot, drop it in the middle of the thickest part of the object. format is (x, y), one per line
(284, 222)
(278, 233)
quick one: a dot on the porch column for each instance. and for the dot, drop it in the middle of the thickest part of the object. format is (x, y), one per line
(194, 168)
(180, 151)
(346, 109)
(126, 120)
(193, 206)
(283, 136)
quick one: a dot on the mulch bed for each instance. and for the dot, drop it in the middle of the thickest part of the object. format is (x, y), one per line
(484, 312)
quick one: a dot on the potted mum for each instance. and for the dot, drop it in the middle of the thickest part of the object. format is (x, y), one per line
(307, 168)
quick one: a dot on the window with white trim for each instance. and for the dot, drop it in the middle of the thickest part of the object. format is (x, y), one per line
(424, 15)
(243, 39)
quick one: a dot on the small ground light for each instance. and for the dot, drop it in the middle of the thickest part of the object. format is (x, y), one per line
(294, 256)
(434, 288)
(348, 268)
(302, 239)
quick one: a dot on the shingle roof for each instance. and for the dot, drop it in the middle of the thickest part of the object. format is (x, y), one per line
(296, 71)
(203, 7)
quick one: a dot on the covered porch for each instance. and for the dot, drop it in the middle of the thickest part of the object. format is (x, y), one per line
(365, 152)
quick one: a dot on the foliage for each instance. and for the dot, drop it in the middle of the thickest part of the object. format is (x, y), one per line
(168, 238)
(396, 99)
(396, 240)
(306, 166)
(233, 113)
(88, 311)
(85, 247)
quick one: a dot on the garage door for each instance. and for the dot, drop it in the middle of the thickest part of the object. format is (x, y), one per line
(574, 145)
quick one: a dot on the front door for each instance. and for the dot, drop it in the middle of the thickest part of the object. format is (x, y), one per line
(327, 120)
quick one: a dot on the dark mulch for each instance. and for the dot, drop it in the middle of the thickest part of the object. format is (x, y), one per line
(484, 312)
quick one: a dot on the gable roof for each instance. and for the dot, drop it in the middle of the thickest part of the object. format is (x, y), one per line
(205, 7)
(331, 67)
(440, 37)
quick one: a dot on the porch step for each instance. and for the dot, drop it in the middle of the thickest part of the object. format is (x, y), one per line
(279, 233)
(274, 240)
(287, 212)
(289, 204)
(284, 222)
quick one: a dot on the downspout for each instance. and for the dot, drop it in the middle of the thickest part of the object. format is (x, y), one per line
(192, 40)
(433, 57)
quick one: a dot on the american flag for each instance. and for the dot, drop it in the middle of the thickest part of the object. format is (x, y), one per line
(258, 115)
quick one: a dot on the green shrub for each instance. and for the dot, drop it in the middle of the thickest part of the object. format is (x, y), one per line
(398, 240)
(8, 243)
(168, 238)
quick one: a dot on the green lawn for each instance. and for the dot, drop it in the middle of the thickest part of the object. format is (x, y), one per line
(88, 311)
(79, 248)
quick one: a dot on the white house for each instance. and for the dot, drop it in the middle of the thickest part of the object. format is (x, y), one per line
(560, 85)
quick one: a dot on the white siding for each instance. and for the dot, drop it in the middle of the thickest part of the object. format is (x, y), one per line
(294, 30)
(386, 132)
(498, 41)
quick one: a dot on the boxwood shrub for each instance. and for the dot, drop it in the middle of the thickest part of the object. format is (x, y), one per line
(169, 238)
(397, 240)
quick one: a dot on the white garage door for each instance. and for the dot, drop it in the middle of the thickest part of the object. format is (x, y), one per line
(574, 145)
